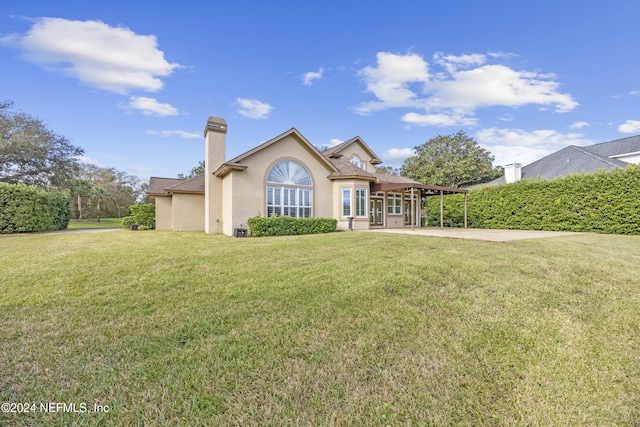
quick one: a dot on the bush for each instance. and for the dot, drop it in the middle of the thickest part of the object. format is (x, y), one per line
(141, 213)
(287, 226)
(601, 202)
(27, 208)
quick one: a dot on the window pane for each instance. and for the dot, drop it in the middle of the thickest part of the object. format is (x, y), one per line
(346, 202)
(289, 172)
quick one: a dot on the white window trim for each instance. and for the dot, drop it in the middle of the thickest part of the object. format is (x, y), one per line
(365, 205)
(343, 205)
(397, 203)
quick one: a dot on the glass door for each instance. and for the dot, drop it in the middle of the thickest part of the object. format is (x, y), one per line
(376, 212)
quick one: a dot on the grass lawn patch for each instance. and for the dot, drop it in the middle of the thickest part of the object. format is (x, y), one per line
(76, 224)
(350, 328)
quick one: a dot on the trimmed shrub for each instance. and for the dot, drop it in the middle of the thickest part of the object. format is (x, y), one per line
(601, 202)
(141, 213)
(28, 209)
(287, 226)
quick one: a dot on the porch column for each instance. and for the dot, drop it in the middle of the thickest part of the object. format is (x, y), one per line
(441, 209)
(412, 214)
(465, 210)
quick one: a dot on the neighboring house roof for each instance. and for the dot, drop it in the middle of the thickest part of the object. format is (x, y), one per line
(574, 159)
(617, 147)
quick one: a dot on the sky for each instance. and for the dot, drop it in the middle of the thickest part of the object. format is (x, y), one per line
(133, 82)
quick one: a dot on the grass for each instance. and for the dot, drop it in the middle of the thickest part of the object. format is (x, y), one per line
(77, 224)
(341, 329)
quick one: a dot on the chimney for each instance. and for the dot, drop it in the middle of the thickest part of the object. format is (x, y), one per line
(512, 172)
(215, 134)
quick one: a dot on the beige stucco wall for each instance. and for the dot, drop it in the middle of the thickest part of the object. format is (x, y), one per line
(359, 223)
(244, 192)
(188, 212)
(163, 213)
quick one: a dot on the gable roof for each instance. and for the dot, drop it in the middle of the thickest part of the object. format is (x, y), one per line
(157, 185)
(191, 185)
(236, 162)
(617, 147)
(334, 152)
(166, 186)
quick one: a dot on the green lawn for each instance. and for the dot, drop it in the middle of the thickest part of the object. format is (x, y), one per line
(345, 329)
(76, 224)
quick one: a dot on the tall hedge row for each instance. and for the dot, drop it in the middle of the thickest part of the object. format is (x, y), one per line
(26, 208)
(601, 202)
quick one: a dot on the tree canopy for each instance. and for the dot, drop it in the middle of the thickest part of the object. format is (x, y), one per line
(195, 171)
(31, 153)
(453, 161)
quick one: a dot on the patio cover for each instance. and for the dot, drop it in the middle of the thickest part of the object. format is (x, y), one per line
(425, 190)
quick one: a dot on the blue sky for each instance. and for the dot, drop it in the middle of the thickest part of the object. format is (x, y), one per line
(133, 82)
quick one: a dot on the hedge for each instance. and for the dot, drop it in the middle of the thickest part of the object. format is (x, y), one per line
(601, 202)
(287, 226)
(27, 208)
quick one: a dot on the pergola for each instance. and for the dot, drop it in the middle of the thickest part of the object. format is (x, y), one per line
(425, 191)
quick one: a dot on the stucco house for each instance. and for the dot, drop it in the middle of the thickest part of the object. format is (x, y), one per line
(287, 175)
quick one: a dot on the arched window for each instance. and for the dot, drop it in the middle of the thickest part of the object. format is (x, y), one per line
(359, 163)
(289, 189)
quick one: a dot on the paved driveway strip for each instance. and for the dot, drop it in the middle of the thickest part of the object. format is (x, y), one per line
(476, 233)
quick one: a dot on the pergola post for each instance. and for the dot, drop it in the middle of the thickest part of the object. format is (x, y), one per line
(465, 210)
(441, 209)
(412, 214)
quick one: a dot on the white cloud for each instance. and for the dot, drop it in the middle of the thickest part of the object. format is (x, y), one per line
(151, 106)
(180, 133)
(389, 81)
(438, 119)
(334, 142)
(98, 55)
(452, 63)
(630, 126)
(465, 84)
(578, 125)
(253, 109)
(509, 145)
(397, 155)
(309, 77)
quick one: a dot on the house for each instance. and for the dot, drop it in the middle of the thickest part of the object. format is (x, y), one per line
(573, 159)
(287, 175)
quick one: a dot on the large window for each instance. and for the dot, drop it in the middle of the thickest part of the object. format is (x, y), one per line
(292, 196)
(394, 204)
(361, 202)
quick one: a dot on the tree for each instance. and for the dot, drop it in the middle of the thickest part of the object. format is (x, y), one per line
(113, 191)
(141, 214)
(30, 153)
(452, 161)
(195, 171)
(389, 170)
